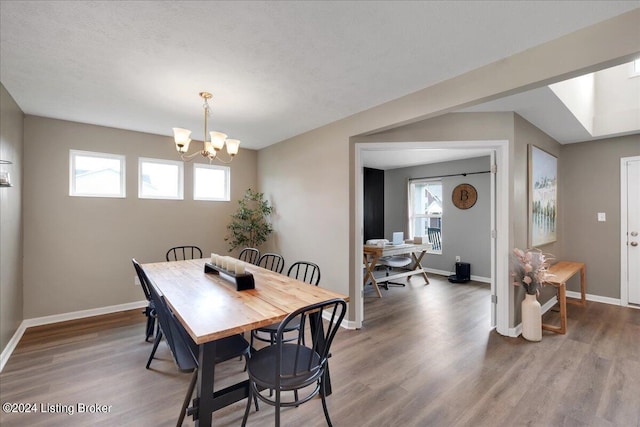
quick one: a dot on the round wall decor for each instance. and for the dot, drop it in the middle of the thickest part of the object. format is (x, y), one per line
(464, 196)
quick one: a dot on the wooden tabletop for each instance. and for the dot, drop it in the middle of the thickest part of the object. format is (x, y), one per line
(563, 271)
(211, 308)
(388, 250)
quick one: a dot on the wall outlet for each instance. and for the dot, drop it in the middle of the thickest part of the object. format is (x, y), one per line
(457, 258)
(136, 281)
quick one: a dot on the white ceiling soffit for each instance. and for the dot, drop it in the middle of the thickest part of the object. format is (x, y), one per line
(276, 69)
(542, 108)
(611, 96)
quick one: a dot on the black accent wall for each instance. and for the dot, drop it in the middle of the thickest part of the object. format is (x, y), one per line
(373, 205)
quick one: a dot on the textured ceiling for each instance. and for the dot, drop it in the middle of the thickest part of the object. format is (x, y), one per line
(276, 69)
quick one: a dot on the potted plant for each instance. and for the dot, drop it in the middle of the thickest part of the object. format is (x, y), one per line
(250, 226)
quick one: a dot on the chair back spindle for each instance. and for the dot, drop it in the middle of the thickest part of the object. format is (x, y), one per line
(180, 253)
(250, 255)
(271, 261)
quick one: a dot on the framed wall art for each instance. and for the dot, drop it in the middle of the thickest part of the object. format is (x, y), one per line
(543, 197)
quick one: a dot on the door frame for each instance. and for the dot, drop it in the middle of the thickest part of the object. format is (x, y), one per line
(624, 248)
(500, 216)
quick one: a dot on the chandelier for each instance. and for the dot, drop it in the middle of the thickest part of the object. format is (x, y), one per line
(211, 148)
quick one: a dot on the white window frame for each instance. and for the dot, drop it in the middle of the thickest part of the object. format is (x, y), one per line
(634, 68)
(72, 176)
(227, 182)
(179, 164)
(412, 217)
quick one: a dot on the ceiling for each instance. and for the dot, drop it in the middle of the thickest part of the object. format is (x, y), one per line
(276, 69)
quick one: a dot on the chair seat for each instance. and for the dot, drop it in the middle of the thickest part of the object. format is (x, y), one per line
(292, 326)
(230, 347)
(262, 363)
(395, 261)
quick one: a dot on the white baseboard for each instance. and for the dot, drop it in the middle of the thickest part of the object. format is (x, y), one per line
(11, 345)
(45, 320)
(449, 273)
(595, 298)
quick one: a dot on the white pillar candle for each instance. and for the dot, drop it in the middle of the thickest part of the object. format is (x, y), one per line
(232, 264)
(239, 267)
(213, 258)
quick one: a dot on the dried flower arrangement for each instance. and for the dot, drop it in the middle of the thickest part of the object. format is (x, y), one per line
(530, 269)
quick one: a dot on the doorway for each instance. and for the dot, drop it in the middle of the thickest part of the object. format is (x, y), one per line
(630, 231)
(499, 216)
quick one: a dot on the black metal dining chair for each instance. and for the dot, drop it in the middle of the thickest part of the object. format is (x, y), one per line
(185, 350)
(180, 253)
(305, 271)
(292, 366)
(301, 270)
(250, 255)
(271, 261)
(149, 311)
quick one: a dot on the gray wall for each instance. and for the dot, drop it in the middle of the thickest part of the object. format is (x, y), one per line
(590, 183)
(78, 250)
(465, 232)
(11, 130)
(482, 127)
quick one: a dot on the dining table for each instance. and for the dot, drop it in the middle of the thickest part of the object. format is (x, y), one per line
(373, 253)
(210, 307)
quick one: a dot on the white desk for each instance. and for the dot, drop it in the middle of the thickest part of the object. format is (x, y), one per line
(372, 253)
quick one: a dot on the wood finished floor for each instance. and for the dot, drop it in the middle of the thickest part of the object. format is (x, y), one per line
(425, 357)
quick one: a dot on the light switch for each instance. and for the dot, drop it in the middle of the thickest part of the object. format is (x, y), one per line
(602, 217)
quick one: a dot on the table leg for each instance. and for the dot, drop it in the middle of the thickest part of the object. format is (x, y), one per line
(418, 265)
(319, 345)
(369, 266)
(206, 370)
(562, 299)
(562, 302)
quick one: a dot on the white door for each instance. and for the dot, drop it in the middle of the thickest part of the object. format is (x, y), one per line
(631, 236)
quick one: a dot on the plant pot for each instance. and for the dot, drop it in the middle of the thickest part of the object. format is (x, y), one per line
(531, 318)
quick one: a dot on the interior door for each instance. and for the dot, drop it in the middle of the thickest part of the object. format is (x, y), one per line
(633, 231)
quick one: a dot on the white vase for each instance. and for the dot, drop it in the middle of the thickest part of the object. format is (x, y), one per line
(531, 318)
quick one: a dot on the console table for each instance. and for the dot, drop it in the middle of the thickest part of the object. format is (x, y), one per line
(562, 271)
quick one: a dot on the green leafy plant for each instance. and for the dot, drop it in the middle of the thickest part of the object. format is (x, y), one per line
(250, 226)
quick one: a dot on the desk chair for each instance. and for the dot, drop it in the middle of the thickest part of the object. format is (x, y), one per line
(287, 366)
(250, 255)
(271, 261)
(393, 262)
(180, 253)
(149, 311)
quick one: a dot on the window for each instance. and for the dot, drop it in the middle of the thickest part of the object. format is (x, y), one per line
(210, 182)
(425, 211)
(635, 68)
(96, 174)
(160, 179)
